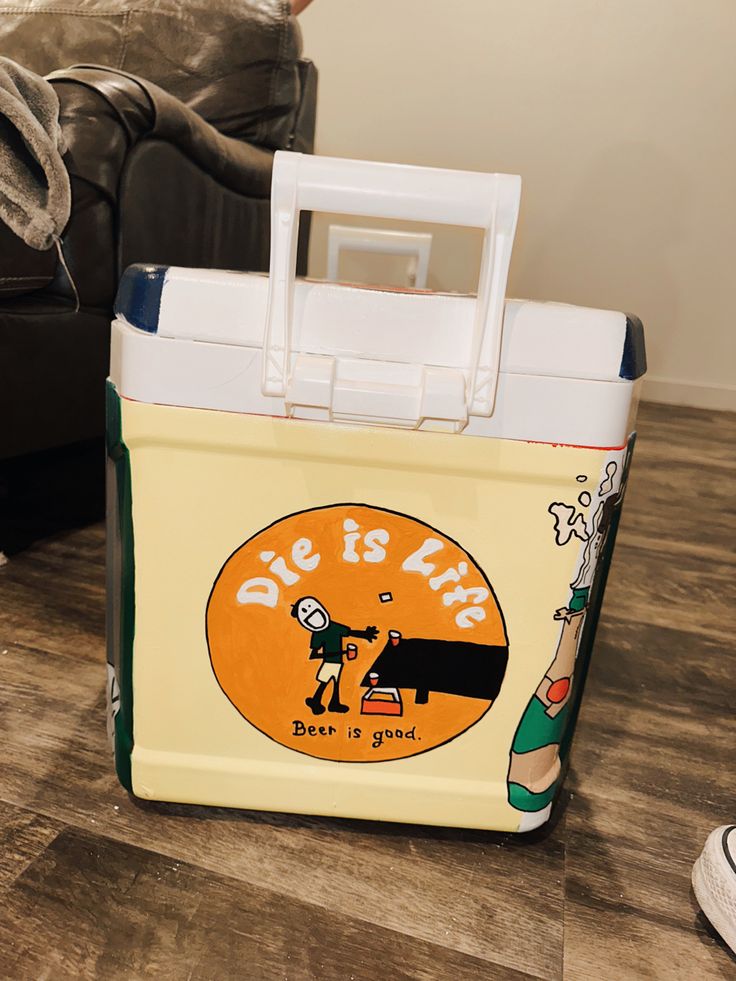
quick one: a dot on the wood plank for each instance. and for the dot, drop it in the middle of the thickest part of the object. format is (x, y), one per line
(678, 431)
(680, 491)
(690, 593)
(90, 908)
(23, 836)
(54, 595)
(653, 774)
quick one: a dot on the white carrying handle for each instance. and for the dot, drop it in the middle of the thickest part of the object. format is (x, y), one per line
(381, 190)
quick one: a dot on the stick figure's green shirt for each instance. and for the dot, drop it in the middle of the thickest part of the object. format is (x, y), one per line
(330, 641)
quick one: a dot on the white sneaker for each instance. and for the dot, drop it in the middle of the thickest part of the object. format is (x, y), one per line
(714, 882)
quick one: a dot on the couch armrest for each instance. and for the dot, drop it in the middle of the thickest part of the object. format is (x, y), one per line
(144, 111)
(107, 117)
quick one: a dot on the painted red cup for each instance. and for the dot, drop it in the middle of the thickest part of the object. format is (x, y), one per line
(373, 678)
(394, 636)
(352, 652)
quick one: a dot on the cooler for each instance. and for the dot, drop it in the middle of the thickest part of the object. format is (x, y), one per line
(358, 538)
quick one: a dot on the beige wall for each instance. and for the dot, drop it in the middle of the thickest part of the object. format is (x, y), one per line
(618, 115)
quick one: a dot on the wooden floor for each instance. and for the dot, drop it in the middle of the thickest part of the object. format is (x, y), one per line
(93, 885)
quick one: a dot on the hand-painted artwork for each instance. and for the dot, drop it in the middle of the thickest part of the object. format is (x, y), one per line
(535, 767)
(356, 634)
(112, 694)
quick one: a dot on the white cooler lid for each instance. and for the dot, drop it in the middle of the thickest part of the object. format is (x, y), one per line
(195, 338)
(297, 348)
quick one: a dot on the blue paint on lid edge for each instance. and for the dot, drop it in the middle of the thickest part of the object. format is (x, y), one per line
(634, 358)
(138, 299)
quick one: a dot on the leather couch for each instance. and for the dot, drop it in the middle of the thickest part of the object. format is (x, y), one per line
(152, 181)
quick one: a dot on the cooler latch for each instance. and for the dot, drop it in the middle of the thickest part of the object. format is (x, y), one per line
(410, 396)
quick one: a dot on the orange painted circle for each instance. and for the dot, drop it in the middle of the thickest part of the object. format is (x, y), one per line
(387, 576)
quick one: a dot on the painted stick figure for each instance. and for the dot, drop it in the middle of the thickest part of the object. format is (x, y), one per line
(326, 643)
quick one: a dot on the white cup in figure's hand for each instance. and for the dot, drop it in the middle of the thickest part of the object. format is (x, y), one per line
(394, 636)
(373, 678)
(352, 652)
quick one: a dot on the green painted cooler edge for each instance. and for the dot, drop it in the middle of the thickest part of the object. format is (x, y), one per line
(121, 578)
(524, 800)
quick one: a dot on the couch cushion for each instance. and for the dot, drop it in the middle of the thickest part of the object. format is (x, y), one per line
(22, 269)
(233, 61)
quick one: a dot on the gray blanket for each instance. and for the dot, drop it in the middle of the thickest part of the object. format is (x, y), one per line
(35, 196)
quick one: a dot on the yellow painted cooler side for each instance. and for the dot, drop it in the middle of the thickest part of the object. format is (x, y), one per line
(484, 555)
